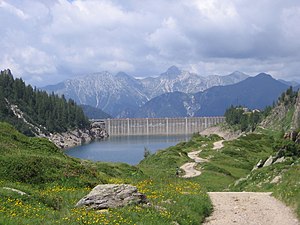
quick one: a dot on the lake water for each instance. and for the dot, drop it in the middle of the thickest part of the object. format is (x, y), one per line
(128, 149)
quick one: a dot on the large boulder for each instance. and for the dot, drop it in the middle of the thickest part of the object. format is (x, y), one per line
(106, 196)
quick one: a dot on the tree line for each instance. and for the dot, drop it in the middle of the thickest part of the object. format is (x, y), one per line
(52, 112)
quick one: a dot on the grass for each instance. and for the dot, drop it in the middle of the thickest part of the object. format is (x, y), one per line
(54, 182)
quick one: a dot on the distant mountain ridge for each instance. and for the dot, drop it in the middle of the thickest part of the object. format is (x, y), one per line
(254, 92)
(121, 95)
(176, 80)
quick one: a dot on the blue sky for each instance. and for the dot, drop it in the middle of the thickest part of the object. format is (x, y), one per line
(45, 42)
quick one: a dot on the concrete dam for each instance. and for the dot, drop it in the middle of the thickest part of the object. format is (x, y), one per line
(158, 126)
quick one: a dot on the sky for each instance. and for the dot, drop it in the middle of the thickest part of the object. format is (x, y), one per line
(46, 42)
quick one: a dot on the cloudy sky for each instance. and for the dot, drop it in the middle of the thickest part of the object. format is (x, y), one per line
(45, 41)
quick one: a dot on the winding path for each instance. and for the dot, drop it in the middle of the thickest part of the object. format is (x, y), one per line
(241, 208)
(189, 168)
(249, 208)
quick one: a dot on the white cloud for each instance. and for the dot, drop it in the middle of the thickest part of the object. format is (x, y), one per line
(47, 41)
(13, 10)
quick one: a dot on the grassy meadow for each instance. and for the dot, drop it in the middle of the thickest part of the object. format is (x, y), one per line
(55, 182)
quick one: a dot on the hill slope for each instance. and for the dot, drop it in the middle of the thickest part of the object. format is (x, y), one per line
(94, 113)
(117, 95)
(34, 112)
(175, 104)
(53, 183)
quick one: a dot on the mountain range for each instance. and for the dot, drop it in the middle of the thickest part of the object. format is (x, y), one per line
(174, 93)
(122, 95)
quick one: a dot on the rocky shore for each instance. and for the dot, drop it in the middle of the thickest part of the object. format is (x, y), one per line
(79, 136)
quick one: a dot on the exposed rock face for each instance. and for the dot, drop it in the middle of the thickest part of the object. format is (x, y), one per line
(292, 136)
(296, 116)
(269, 161)
(111, 196)
(77, 137)
(278, 114)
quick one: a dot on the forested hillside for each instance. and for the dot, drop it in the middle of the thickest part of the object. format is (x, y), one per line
(23, 106)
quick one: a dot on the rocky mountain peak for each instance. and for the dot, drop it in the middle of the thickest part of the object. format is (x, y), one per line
(171, 72)
(264, 75)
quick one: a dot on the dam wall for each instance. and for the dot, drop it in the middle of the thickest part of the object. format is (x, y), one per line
(158, 126)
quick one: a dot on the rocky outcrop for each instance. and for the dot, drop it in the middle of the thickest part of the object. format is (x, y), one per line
(292, 136)
(276, 116)
(37, 130)
(111, 196)
(77, 137)
(296, 116)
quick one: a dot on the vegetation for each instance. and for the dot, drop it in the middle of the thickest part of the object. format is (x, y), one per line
(50, 113)
(54, 183)
(288, 97)
(243, 119)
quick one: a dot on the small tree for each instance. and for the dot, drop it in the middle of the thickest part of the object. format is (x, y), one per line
(146, 152)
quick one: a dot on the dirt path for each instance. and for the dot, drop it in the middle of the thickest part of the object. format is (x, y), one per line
(189, 168)
(190, 171)
(248, 208)
(218, 145)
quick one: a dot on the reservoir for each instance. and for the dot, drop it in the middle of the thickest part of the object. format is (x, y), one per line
(127, 149)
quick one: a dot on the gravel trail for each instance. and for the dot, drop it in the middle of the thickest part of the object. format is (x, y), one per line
(218, 145)
(249, 208)
(189, 168)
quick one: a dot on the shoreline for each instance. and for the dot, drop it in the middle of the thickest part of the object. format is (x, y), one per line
(73, 138)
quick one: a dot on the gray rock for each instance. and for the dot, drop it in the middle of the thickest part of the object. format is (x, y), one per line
(77, 137)
(297, 141)
(279, 160)
(269, 161)
(293, 135)
(276, 179)
(111, 196)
